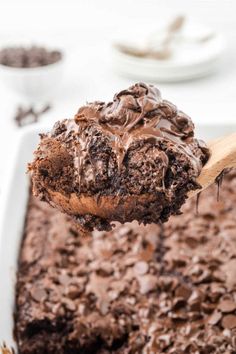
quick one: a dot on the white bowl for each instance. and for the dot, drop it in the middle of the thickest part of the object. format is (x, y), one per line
(34, 83)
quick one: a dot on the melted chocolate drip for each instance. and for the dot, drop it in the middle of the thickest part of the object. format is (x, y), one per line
(197, 202)
(219, 180)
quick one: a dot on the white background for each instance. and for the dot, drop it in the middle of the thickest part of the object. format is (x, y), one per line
(84, 29)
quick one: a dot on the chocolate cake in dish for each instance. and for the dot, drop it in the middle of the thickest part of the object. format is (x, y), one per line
(135, 289)
(134, 158)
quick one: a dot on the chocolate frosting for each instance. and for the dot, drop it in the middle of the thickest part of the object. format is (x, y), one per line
(138, 113)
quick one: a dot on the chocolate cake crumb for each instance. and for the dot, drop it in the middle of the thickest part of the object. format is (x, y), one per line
(134, 158)
(136, 289)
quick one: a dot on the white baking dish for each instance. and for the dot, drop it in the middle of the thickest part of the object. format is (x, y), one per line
(13, 202)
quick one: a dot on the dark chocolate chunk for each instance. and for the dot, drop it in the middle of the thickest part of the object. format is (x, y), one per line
(29, 115)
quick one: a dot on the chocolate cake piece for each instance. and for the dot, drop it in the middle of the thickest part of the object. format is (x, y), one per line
(143, 289)
(134, 158)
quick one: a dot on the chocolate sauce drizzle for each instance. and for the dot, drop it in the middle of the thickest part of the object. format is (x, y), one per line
(219, 180)
(197, 202)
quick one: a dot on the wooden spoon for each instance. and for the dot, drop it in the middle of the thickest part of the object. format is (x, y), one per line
(223, 155)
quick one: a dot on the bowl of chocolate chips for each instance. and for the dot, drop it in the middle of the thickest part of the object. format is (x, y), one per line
(32, 71)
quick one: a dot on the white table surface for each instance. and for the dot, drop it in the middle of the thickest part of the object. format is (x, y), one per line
(85, 32)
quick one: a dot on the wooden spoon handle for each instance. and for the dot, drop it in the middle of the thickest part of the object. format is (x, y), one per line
(223, 155)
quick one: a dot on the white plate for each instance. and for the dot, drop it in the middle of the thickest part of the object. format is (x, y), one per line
(190, 60)
(13, 207)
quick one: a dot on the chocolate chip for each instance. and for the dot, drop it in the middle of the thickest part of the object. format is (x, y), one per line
(229, 321)
(183, 291)
(141, 267)
(233, 341)
(69, 304)
(64, 279)
(103, 307)
(147, 283)
(215, 318)
(25, 116)
(178, 303)
(165, 341)
(73, 291)
(227, 306)
(38, 294)
(182, 120)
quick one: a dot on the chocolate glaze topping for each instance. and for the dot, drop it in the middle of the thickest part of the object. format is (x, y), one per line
(138, 113)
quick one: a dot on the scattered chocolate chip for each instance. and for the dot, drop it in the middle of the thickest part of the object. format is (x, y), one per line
(178, 303)
(141, 267)
(227, 306)
(69, 304)
(233, 341)
(38, 294)
(215, 318)
(229, 321)
(29, 115)
(147, 283)
(165, 341)
(64, 279)
(103, 306)
(229, 269)
(73, 291)
(183, 291)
